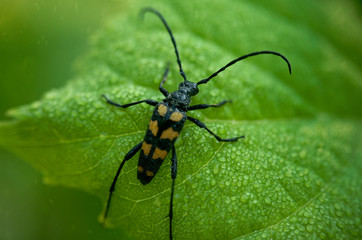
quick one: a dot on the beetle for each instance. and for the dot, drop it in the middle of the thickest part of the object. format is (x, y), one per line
(167, 121)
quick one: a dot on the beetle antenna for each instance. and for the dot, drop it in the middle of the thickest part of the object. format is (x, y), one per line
(152, 10)
(203, 81)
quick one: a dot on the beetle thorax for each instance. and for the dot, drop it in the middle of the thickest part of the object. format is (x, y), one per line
(181, 98)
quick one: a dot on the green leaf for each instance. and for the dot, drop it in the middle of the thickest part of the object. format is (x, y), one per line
(297, 173)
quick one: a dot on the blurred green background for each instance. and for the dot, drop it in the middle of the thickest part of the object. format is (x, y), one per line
(40, 42)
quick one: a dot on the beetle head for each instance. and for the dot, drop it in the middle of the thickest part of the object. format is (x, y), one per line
(189, 87)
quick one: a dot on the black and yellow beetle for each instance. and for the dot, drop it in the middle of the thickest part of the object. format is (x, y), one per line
(167, 121)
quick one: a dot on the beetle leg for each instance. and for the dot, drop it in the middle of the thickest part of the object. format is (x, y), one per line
(203, 106)
(173, 176)
(202, 125)
(128, 156)
(164, 78)
(148, 101)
